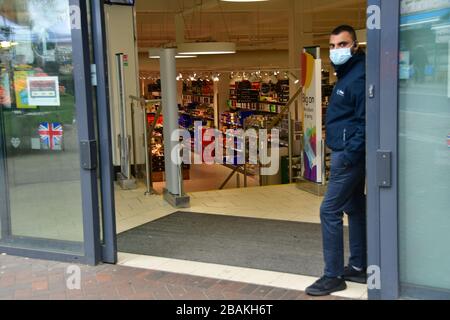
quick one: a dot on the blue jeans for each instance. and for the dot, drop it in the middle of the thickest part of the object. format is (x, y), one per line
(345, 195)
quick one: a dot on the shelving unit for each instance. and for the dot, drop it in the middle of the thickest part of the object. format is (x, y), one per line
(327, 91)
(255, 105)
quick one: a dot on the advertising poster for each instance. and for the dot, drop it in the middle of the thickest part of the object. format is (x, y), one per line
(21, 90)
(312, 102)
(43, 91)
(5, 90)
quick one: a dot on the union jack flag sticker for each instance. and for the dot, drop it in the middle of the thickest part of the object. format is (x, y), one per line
(51, 135)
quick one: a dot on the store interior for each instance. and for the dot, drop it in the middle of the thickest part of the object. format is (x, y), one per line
(247, 88)
(242, 90)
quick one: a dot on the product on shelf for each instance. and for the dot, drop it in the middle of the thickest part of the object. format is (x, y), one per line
(259, 96)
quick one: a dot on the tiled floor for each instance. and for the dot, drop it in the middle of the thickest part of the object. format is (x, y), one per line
(25, 279)
(230, 273)
(205, 177)
(284, 202)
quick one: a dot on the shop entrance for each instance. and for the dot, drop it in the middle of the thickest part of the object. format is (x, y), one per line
(246, 89)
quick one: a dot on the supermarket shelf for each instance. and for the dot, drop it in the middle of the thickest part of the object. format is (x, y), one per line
(273, 103)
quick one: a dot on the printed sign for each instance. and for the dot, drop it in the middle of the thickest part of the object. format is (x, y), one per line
(75, 17)
(43, 91)
(20, 87)
(312, 101)
(51, 136)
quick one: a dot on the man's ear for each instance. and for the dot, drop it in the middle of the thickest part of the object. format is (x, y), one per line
(355, 47)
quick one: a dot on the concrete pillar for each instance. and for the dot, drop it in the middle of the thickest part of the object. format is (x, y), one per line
(173, 192)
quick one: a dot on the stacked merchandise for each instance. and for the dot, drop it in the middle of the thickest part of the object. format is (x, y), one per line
(259, 121)
(244, 95)
(230, 119)
(327, 91)
(259, 96)
(234, 119)
(198, 104)
(198, 92)
(157, 151)
(157, 147)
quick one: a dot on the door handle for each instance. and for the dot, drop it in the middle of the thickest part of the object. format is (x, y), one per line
(88, 153)
(384, 168)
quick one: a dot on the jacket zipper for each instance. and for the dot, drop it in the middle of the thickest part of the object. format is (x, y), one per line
(345, 135)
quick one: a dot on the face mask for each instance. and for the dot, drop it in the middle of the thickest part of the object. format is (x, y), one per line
(340, 56)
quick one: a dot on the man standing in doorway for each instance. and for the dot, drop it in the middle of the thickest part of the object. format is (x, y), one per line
(345, 136)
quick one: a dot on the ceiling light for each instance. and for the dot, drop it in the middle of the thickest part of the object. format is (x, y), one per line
(244, 0)
(155, 53)
(7, 44)
(293, 77)
(176, 57)
(204, 48)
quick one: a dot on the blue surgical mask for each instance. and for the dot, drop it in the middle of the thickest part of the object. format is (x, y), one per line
(340, 56)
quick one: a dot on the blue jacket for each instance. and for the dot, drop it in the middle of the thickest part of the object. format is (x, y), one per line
(346, 115)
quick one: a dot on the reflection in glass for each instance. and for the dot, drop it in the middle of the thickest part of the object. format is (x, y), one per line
(424, 142)
(39, 126)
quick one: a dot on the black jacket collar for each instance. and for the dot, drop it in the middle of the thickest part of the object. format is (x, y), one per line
(345, 68)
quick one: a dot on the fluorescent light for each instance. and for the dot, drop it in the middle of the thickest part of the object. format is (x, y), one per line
(445, 26)
(205, 48)
(244, 0)
(154, 53)
(7, 44)
(176, 57)
(419, 22)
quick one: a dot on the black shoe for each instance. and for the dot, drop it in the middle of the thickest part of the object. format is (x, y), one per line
(353, 275)
(326, 286)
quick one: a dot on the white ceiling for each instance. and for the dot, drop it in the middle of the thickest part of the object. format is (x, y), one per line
(253, 26)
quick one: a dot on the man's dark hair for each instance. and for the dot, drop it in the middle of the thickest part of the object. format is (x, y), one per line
(345, 28)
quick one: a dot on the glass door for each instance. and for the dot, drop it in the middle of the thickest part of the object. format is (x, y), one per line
(49, 206)
(409, 150)
(424, 148)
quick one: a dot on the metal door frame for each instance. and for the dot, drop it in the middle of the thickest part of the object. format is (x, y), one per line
(88, 151)
(109, 243)
(382, 139)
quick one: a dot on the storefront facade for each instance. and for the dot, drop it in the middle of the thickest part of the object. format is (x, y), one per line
(56, 183)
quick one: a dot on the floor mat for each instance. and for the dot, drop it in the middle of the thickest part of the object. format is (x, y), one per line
(274, 245)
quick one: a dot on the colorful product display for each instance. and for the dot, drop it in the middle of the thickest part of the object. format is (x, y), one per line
(20, 86)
